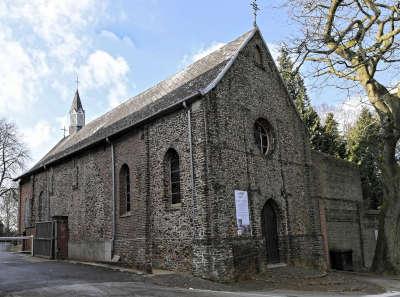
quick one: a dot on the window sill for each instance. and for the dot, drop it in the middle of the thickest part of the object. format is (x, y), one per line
(176, 206)
(125, 215)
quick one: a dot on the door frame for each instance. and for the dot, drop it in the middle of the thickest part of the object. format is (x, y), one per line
(274, 233)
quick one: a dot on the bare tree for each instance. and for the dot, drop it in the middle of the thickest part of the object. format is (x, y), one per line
(13, 155)
(358, 41)
(9, 211)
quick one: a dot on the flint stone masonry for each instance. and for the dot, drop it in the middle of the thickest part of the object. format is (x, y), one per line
(213, 134)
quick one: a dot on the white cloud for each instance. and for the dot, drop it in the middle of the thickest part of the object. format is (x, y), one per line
(20, 72)
(39, 39)
(113, 37)
(200, 53)
(274, 50)
(206, 51)
(102, 70)
(43, 44)
(345, 113)
(63, 122)
(38, 135)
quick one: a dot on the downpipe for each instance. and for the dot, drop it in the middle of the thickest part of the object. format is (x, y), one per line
(192, 180)
(113, 196)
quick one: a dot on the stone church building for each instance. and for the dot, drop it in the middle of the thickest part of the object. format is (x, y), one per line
(210, 171)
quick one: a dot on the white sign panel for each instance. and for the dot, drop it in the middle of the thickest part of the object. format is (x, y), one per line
(242, 213)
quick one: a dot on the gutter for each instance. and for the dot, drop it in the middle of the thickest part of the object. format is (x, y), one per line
(192, 179)
(167, 110)
(175, 106)
(113, 196)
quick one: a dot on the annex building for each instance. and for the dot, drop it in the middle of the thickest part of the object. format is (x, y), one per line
(210, 171)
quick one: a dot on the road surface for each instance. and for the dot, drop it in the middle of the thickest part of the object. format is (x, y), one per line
(22, 275)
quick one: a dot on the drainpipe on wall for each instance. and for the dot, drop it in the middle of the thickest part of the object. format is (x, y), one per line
(113, 196)
(194, 208)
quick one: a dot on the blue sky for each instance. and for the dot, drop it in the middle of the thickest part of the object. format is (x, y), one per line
(118, 48)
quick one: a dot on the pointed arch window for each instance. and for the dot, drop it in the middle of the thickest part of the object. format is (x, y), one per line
(124, 190)
(41, 206)
(173, 177)
(258, 57)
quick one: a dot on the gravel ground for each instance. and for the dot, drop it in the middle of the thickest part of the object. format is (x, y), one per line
(283, 278)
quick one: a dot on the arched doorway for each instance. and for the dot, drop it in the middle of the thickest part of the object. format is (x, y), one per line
(270, 231)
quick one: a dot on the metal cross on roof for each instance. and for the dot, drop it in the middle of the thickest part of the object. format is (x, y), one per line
(64, 130)
(256, 8)
(77, 81)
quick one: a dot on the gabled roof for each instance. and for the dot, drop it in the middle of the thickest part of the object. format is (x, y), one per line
(76, 103)
(195, 80)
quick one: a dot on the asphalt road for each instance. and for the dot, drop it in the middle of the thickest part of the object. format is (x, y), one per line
(22, 275)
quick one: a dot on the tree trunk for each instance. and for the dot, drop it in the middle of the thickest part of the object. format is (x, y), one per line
(387, 253)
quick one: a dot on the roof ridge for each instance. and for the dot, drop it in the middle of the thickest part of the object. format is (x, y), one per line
(172, 76)
(199, 78)
(214, 83)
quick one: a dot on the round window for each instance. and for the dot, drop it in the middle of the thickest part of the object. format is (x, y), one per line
(263, 136)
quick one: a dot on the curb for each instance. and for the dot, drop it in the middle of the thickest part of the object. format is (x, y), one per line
(111, 267)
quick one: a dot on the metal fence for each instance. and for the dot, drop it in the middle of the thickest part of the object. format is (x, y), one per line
(15, 243)
(44, 239)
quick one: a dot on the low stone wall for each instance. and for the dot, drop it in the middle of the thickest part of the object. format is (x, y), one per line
(338, 186)
(90, 250)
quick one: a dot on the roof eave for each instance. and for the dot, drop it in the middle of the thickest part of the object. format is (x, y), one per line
(215, 82)
(199, 93)
(176, 106)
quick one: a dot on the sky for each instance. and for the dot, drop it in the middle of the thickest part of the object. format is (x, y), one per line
(117, 48)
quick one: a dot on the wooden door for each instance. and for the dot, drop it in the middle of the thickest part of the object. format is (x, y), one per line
(62, 237)
(270, 223)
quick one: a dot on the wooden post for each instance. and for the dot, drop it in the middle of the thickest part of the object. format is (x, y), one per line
(32, 242)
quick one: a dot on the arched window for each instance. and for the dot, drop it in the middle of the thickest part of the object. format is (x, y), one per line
(27, 216)
(173, 177)
(258, 58)
(41, 206)
(263, 136)
(124, 190)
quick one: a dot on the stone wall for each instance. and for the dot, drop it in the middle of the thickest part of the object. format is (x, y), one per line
(24, 211)
(337, 185)
(79, 188)
(247, 92)
(217, 157)
(153, 233)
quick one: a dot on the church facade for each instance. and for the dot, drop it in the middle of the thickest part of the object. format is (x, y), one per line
(209, 171)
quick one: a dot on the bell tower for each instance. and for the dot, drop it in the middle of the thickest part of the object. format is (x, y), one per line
(76, 115)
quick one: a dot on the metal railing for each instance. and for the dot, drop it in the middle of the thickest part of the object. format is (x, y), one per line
(6, 242)
(44, 239)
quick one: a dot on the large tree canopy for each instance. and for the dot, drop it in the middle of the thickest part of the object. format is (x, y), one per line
(323, 137)
(364, 147)
(358, 41)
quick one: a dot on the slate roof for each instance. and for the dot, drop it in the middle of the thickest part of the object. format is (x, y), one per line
(76, 103)
(196, 79)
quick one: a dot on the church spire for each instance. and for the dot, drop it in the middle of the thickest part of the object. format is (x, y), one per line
(76, 103)
(76, 114)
